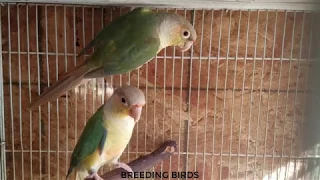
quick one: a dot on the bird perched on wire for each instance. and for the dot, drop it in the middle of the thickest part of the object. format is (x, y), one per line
(107, 133)
(126, 44)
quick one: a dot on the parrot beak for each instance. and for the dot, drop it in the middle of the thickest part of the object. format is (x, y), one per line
(135, 112)
(186, 46)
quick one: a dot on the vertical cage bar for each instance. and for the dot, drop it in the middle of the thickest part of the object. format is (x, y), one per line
(29, 86)
(39, 88)
(198, 98)
(146, 110)
(84, 56)
(278, 92)
(233, 91)
(189, 100)
(296, 90)
(111, 18)
(102, 79)
(172, 100)
(137, 124)
(48, 76)
(77, 89)
(120, 83)
(155, 97)
(57, 101)
(164, 96)
(207, 98)
(128, 145)
(104, 83)
(154, 104)
(180, 103)
(94, 80)
(10, 86)
(20, 89)
(129, 79)
(225, 95)
(260, 92)
(146, 113)
(66, 70)
(269, 91)
(242, 93)
(216, 92)
(120, 75)
(287, 96)
(3, 174)
(172, 104)
(251, 94)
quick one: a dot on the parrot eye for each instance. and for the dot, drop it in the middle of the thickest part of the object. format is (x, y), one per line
(186, 34)
(123, 100)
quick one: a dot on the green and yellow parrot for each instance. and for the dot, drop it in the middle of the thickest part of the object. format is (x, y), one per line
(126, 44)
(107, 133)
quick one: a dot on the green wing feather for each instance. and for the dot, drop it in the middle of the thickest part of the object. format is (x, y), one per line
(105, 33)
(125, 44)
(115, 28)
(92, 137)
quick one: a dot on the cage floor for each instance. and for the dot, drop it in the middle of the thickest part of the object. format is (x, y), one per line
(234, 103)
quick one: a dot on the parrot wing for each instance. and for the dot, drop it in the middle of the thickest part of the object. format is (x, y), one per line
(95, 42)
(128, 46)
(129, 58)
(108, 31)
(92, 138)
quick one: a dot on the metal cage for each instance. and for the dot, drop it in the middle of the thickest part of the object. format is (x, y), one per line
(236, 103)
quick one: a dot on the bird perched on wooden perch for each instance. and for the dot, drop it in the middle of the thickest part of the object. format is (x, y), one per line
(107, 133)
(126, 44)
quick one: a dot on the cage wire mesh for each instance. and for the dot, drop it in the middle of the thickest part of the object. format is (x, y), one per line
(234, 103)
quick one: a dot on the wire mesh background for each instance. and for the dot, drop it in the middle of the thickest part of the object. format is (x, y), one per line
(234, 103)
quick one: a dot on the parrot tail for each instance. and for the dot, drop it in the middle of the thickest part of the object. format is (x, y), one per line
(69, 172)
(68, 81)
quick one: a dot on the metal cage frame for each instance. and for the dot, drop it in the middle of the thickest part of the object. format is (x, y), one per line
(294, 6)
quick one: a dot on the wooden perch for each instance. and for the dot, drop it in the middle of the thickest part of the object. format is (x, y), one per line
(144, 162)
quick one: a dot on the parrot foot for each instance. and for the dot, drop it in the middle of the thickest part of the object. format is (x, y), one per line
(123, 166)
(95, 176)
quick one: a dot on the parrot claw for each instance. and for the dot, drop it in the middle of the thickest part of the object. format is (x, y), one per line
(95, 176)
(123, 166)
